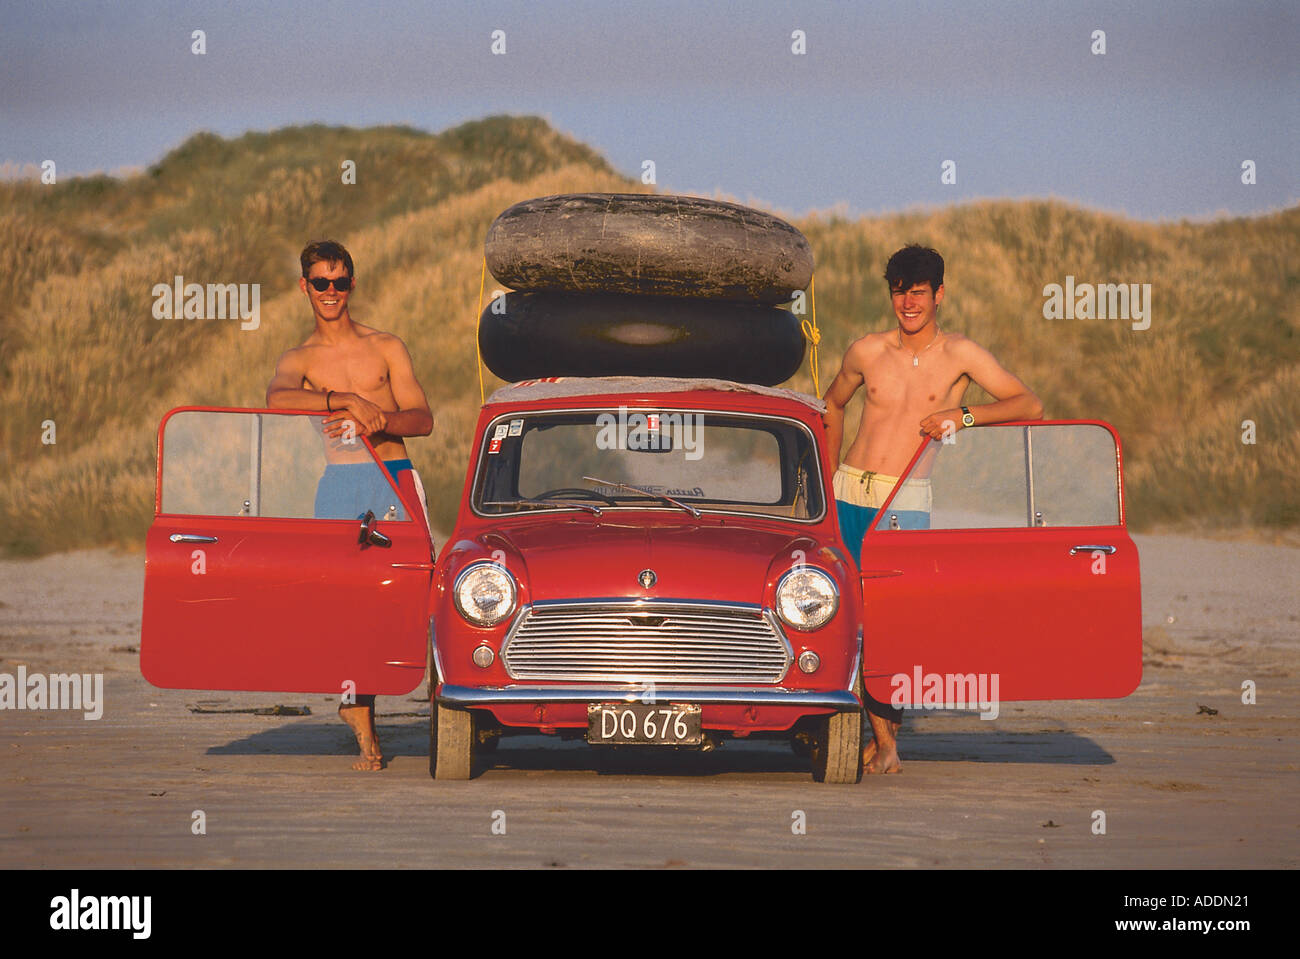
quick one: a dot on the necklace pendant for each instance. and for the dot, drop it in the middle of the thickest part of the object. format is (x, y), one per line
(916, 361)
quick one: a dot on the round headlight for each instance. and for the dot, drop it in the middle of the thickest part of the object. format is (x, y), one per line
(806, 598)
(484, 593)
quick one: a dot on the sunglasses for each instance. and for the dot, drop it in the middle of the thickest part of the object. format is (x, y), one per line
(321, 283)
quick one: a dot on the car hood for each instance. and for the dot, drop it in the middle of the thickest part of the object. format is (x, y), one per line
(690, 559)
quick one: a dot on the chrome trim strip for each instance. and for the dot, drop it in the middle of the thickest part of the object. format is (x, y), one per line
(438, 672)
(856, 672)
(624, 601)
(1030, 504)
(704, 695)
(774, 621)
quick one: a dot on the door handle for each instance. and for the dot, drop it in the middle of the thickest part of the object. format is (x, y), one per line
(191, 538)
(1108, 550)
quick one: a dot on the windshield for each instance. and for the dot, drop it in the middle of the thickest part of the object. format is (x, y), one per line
(620, 459)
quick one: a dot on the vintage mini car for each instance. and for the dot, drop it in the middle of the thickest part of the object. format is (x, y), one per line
(654, 565)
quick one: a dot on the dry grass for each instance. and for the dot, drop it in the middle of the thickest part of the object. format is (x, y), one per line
(78, 343)
(1238, 480)
(1223, 339)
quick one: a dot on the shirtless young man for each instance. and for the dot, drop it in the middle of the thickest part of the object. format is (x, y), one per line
(916, 376)
(355, 373)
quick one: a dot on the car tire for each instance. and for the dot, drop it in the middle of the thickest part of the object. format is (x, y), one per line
(837, 746)
(648, 244)
(452, 737)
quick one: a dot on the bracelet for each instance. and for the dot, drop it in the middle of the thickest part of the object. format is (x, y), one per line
(328, 394)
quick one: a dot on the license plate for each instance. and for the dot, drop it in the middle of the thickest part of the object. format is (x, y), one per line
(619, 724)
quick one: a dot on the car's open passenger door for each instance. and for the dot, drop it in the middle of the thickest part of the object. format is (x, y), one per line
(1025, 573)
(262, 571)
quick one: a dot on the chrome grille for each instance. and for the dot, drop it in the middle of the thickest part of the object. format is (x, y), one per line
(646, 642)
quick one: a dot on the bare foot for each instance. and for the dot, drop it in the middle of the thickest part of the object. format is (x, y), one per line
(883, 762)
(362, 721)
(880, 755)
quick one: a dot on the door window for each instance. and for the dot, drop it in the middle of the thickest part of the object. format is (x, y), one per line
(270, 465)
(1003, 477)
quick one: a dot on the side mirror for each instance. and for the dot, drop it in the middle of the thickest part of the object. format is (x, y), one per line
(371, 536)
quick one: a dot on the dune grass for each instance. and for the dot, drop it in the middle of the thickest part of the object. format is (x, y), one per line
(79, 345)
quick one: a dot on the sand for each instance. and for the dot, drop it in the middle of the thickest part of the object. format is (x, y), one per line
(1179, 786)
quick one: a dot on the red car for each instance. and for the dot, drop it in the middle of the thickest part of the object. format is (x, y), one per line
(658, 567)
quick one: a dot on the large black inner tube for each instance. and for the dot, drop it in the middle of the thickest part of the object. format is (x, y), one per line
(648, 245)
(530, 335)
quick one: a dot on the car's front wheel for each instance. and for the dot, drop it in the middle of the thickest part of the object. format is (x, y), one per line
(452, 738)
(837, 745)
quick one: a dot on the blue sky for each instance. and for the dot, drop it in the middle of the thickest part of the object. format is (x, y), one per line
(1156, 128)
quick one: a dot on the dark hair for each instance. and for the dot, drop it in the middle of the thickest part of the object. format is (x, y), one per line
(914, 264)
(325, 251)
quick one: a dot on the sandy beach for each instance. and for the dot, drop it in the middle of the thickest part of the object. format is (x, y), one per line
(1187, 776)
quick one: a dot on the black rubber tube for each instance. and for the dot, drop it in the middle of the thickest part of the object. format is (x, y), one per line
(531, 335)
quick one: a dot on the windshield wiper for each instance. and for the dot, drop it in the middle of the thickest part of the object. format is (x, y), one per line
(659, 496)
(550, 502)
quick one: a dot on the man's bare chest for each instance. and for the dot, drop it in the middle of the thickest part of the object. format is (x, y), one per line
(896, 382)
(357, 371)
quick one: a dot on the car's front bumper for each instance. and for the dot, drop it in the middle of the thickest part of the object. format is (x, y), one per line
(473, 696)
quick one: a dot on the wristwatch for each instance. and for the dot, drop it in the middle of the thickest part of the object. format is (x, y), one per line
(967, 419)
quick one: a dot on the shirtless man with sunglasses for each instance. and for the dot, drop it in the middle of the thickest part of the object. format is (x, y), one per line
(359, 374)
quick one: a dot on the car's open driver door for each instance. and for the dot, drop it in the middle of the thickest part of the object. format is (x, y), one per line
(258, 573)
(1025, 580)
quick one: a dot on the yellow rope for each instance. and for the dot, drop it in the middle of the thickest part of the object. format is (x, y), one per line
(478, 317)
(813, 336)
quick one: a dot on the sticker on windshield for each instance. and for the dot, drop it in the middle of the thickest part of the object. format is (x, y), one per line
(500, 433)
(494, 447)
(693, 491)
(516, 427)
(651, 489)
